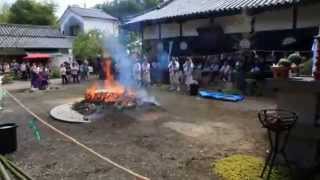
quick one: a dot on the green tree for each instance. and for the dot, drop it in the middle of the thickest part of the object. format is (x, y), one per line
(4, 12)
(148, 4)
(88, 45)
(32, 12)
(122, 9)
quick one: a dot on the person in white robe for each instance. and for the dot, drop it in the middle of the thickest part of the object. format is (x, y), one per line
(173, 73)
(137, 73)
(146, 76)
(188, 70)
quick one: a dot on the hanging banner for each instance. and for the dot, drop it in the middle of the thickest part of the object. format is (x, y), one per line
(315, 52)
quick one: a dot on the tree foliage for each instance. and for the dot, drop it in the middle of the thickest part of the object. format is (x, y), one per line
(151, 4)
(123, 9)
(4, 12)
(88, 45)
(32, 12)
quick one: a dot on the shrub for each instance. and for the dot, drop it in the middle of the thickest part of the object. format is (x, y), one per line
(284, 62)
(7, 78)
(306, 67)
(244, 167)
(55, 72)
(295, 58)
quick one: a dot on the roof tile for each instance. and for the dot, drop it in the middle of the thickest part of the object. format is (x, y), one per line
(31, 36)
(178, 8)
(93, 13)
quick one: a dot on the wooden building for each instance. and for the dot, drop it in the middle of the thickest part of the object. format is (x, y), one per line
(18, 41)
(194, 27)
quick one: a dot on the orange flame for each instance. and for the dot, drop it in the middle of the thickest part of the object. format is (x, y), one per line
(112, 92)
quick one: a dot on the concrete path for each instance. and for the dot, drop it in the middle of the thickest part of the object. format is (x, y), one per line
(20, 85)
(17, 85)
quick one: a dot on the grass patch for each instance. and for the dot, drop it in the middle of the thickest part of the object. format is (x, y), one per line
(232, 91)
(55, 73)
(244, 167)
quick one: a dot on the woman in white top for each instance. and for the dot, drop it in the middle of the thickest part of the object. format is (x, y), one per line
(75, 72)
(173, 73)
(225, 71)
(188, 70)
(146, 78)
(6, 68)
(63, 74)
(137, 73)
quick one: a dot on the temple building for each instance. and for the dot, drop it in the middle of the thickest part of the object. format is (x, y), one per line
(193, 27)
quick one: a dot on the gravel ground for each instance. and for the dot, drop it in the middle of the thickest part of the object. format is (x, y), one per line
(179, 140)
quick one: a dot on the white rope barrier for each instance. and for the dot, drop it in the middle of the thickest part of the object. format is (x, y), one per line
(90, 150)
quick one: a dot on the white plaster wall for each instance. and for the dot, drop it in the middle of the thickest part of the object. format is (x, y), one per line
(234, 24)
(151, 32)
(170, 30)
(190, 27)
(274, 20)
(107, 27)
(309, 16)
(65, 20)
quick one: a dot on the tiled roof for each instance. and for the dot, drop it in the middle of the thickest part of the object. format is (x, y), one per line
(176, 8)
(93, 13)
(30, 36)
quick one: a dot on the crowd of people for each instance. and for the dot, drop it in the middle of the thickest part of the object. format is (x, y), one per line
(142, 72)
(74, 72)
(19, 70)
(184, 71)
(37, 73)
(39, 76)
(146, 73)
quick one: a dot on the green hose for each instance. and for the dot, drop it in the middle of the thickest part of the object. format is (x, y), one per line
(20, 171)
(4, 173)
(14, 169)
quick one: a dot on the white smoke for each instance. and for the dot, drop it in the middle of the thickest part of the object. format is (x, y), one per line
(125, 63)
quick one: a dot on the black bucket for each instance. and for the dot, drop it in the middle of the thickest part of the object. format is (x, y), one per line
(194, 89)
(8, 138)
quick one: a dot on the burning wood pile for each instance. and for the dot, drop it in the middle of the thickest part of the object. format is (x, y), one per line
(112, 92)
(125, 97)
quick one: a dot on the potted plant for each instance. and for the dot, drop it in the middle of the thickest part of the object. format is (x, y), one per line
(295, 59)
(281, 70)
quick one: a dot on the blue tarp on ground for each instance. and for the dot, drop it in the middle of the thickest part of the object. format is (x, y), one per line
(221, 96)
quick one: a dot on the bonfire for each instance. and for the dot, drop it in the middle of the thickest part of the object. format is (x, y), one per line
(112, 91)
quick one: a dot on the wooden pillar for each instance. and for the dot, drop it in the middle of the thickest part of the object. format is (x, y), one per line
(180, 30)
(142, 36)
(294, 16)
(253, 24)
(159, 31)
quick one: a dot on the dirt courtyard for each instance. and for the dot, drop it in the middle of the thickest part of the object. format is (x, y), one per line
(179, 140)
